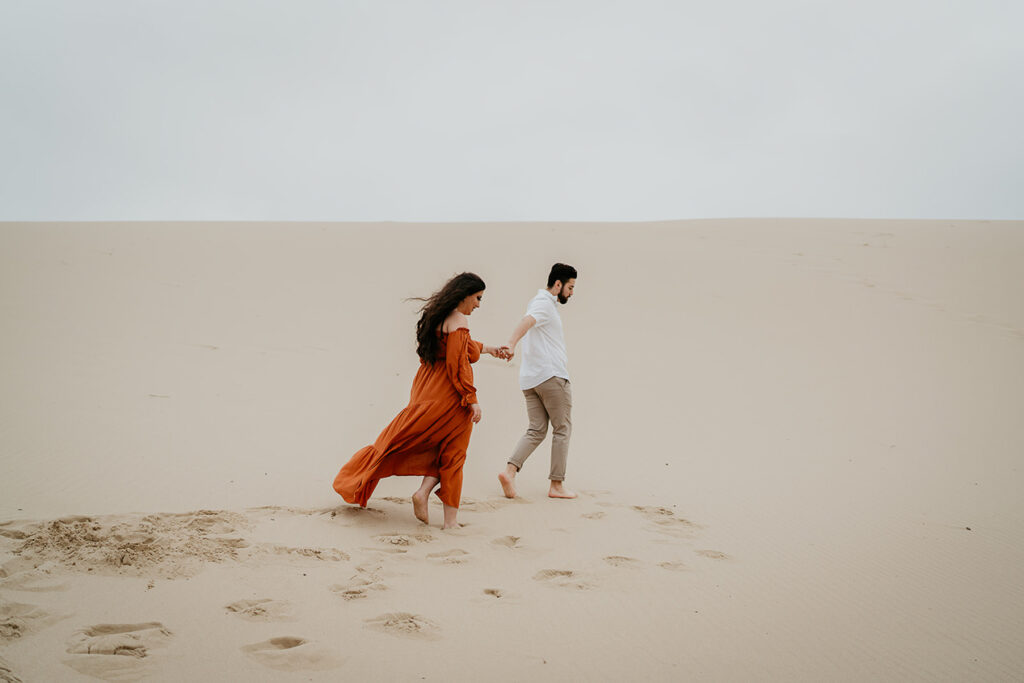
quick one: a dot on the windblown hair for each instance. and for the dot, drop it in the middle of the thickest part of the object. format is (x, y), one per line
(437, 307)
(562, 273)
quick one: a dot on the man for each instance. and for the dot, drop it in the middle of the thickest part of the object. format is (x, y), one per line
(544, 379)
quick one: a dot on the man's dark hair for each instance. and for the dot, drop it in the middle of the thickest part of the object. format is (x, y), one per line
(561, 272)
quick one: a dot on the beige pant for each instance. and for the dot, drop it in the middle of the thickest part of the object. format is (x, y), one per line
(550, 400)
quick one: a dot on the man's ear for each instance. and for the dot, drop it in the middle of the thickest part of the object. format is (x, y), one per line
(560, 286)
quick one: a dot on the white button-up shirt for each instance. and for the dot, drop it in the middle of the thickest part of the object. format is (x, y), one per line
(543, 346)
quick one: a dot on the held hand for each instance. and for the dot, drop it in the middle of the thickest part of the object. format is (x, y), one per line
(477, 412)
(496, 351)
(505, 352)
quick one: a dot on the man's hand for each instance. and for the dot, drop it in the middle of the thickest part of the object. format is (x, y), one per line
(522, 328)
(477, 412)
(505, 353)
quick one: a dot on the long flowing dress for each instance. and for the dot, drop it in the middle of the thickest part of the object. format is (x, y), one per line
(431, 435)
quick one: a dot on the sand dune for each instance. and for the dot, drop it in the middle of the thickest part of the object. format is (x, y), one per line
(797, 445)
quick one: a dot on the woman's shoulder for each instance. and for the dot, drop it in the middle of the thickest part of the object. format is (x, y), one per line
(455, 321)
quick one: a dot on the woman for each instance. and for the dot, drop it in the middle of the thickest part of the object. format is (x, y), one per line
(431, 435)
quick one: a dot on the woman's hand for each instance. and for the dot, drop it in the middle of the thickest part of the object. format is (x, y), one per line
(477, 412)
(502, 352)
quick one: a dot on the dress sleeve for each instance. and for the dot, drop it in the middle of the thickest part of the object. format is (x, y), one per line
(461, 351)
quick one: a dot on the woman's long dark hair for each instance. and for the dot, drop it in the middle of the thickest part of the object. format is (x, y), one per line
(436, 308)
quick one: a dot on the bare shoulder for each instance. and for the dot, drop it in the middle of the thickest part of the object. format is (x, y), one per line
(455, 321)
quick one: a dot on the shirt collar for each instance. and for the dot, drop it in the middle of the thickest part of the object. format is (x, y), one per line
(549, 294)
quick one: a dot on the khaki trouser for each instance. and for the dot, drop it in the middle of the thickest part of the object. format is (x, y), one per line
(550, 400)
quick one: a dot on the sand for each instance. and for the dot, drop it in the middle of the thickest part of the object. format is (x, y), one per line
(797, 442)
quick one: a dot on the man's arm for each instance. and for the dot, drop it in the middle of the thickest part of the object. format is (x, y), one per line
(521, 329)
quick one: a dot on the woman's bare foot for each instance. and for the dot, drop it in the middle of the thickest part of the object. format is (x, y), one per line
(508, 481)
(450, 514)
(421, 506)
(421, 499)
(559, 491)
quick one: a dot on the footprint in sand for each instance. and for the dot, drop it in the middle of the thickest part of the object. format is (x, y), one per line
(325, 554)
(673, 566)
(115, 651)
(8, 531)
(207, 521)
(362, 584)
(18, 620)
(405, 625)
(396, 499)
(356, 592)
(357, 588)
(507, 541)
(404, 540)
(547, 574)
(713, 554)
(593, 515)
(654, 512)
(621, 561)
(372, 571)
(6, 674)
(290, 653)
(355, 514)
(263, 609)
(133, 640)
(483, 505)
(563, 578)
(453, 556)
(666, 520)
(495, 596)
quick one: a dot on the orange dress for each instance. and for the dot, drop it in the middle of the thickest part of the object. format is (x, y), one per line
(430, 436)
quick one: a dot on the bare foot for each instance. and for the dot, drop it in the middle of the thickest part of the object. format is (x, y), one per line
(559, 491)
(421, 507)
(450, 514)
(508, 484)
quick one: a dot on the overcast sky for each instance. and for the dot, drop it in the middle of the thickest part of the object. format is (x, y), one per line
(441, 110)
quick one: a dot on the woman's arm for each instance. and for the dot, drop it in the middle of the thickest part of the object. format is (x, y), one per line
(497, 351)
(457, 361)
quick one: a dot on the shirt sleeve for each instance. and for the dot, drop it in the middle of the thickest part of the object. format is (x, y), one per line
(539, 310)
(460, 352)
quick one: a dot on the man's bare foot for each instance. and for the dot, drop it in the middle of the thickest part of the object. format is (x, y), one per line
(559, 491)
(508, 484)
(421, 506)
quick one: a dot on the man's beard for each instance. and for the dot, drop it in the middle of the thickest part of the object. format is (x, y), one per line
(562, 299)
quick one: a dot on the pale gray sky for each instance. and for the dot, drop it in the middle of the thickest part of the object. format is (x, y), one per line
(442, 110)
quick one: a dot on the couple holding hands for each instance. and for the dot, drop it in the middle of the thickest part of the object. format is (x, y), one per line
(430, 436)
